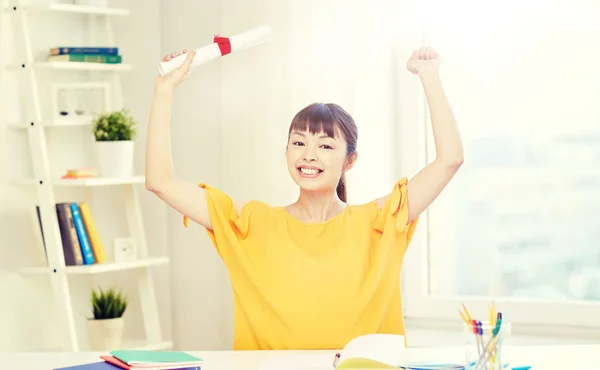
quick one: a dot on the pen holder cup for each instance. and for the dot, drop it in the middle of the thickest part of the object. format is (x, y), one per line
(484, 350)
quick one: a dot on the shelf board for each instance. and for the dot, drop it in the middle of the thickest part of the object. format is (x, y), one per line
(94, 181)
(84, 66)
(55, 123)
(101, 267)
(74, 8)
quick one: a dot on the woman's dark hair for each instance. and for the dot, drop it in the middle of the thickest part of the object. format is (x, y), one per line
(328, 119)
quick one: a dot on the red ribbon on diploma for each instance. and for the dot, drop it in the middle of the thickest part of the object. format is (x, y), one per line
(224, 44)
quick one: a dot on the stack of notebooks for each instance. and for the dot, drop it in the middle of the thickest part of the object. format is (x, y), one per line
(142, 360)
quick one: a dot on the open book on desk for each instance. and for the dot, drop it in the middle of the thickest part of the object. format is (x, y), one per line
(383, 351)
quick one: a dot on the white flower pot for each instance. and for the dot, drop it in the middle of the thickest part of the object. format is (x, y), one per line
(115, 158)
(105, 335)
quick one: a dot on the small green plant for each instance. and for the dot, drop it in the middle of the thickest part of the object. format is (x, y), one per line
(114, 126)
(108, 304)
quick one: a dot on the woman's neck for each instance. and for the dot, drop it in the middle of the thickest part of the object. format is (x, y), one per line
(316, 206)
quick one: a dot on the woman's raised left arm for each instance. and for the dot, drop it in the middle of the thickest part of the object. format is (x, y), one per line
(428, 183)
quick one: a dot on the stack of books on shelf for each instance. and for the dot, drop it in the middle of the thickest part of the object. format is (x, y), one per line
(109, 55)
(80, 239)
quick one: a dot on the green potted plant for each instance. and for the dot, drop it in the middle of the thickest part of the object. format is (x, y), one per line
(114, 133)
(105, 328)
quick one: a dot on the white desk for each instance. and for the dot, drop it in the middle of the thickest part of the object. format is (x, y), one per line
(572, 357)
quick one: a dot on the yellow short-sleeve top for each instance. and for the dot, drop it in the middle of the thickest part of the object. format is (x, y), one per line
(300, 285)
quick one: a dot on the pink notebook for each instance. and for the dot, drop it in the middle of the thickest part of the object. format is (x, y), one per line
(122, 365)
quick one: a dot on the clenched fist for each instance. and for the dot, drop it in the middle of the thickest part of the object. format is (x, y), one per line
(423, 59)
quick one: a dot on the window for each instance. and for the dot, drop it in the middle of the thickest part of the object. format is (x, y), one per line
(520, 223)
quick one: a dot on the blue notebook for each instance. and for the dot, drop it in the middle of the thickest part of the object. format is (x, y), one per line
(102, 365)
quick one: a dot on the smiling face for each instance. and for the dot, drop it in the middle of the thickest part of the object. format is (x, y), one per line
(316, 161)
(318, 152)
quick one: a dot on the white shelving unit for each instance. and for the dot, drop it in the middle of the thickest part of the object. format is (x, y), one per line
(36, 126)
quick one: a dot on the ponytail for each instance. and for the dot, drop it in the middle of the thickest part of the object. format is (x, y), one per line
(341, 188)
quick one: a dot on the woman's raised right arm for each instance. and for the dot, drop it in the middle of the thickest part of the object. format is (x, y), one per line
(187, 198)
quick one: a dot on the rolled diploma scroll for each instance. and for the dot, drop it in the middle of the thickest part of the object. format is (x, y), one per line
(241, 41)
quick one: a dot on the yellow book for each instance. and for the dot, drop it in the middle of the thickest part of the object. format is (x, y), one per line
(90, 227)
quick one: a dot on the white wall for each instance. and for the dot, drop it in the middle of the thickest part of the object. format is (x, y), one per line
(198, 279)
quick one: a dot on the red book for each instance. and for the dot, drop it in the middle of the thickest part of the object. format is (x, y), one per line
(115, 361)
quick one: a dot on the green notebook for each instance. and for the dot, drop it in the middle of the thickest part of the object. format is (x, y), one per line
(144, 357)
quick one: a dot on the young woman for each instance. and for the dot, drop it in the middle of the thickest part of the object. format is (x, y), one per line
(316, 273)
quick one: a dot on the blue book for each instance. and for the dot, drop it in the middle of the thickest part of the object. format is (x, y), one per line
(102, 365)
(84, 241)
(62, 50)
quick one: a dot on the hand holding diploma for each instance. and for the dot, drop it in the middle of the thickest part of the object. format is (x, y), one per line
(176, 76)
(174, 68)
(221, 46)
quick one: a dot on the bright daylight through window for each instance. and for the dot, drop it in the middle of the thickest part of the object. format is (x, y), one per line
(521, 219)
